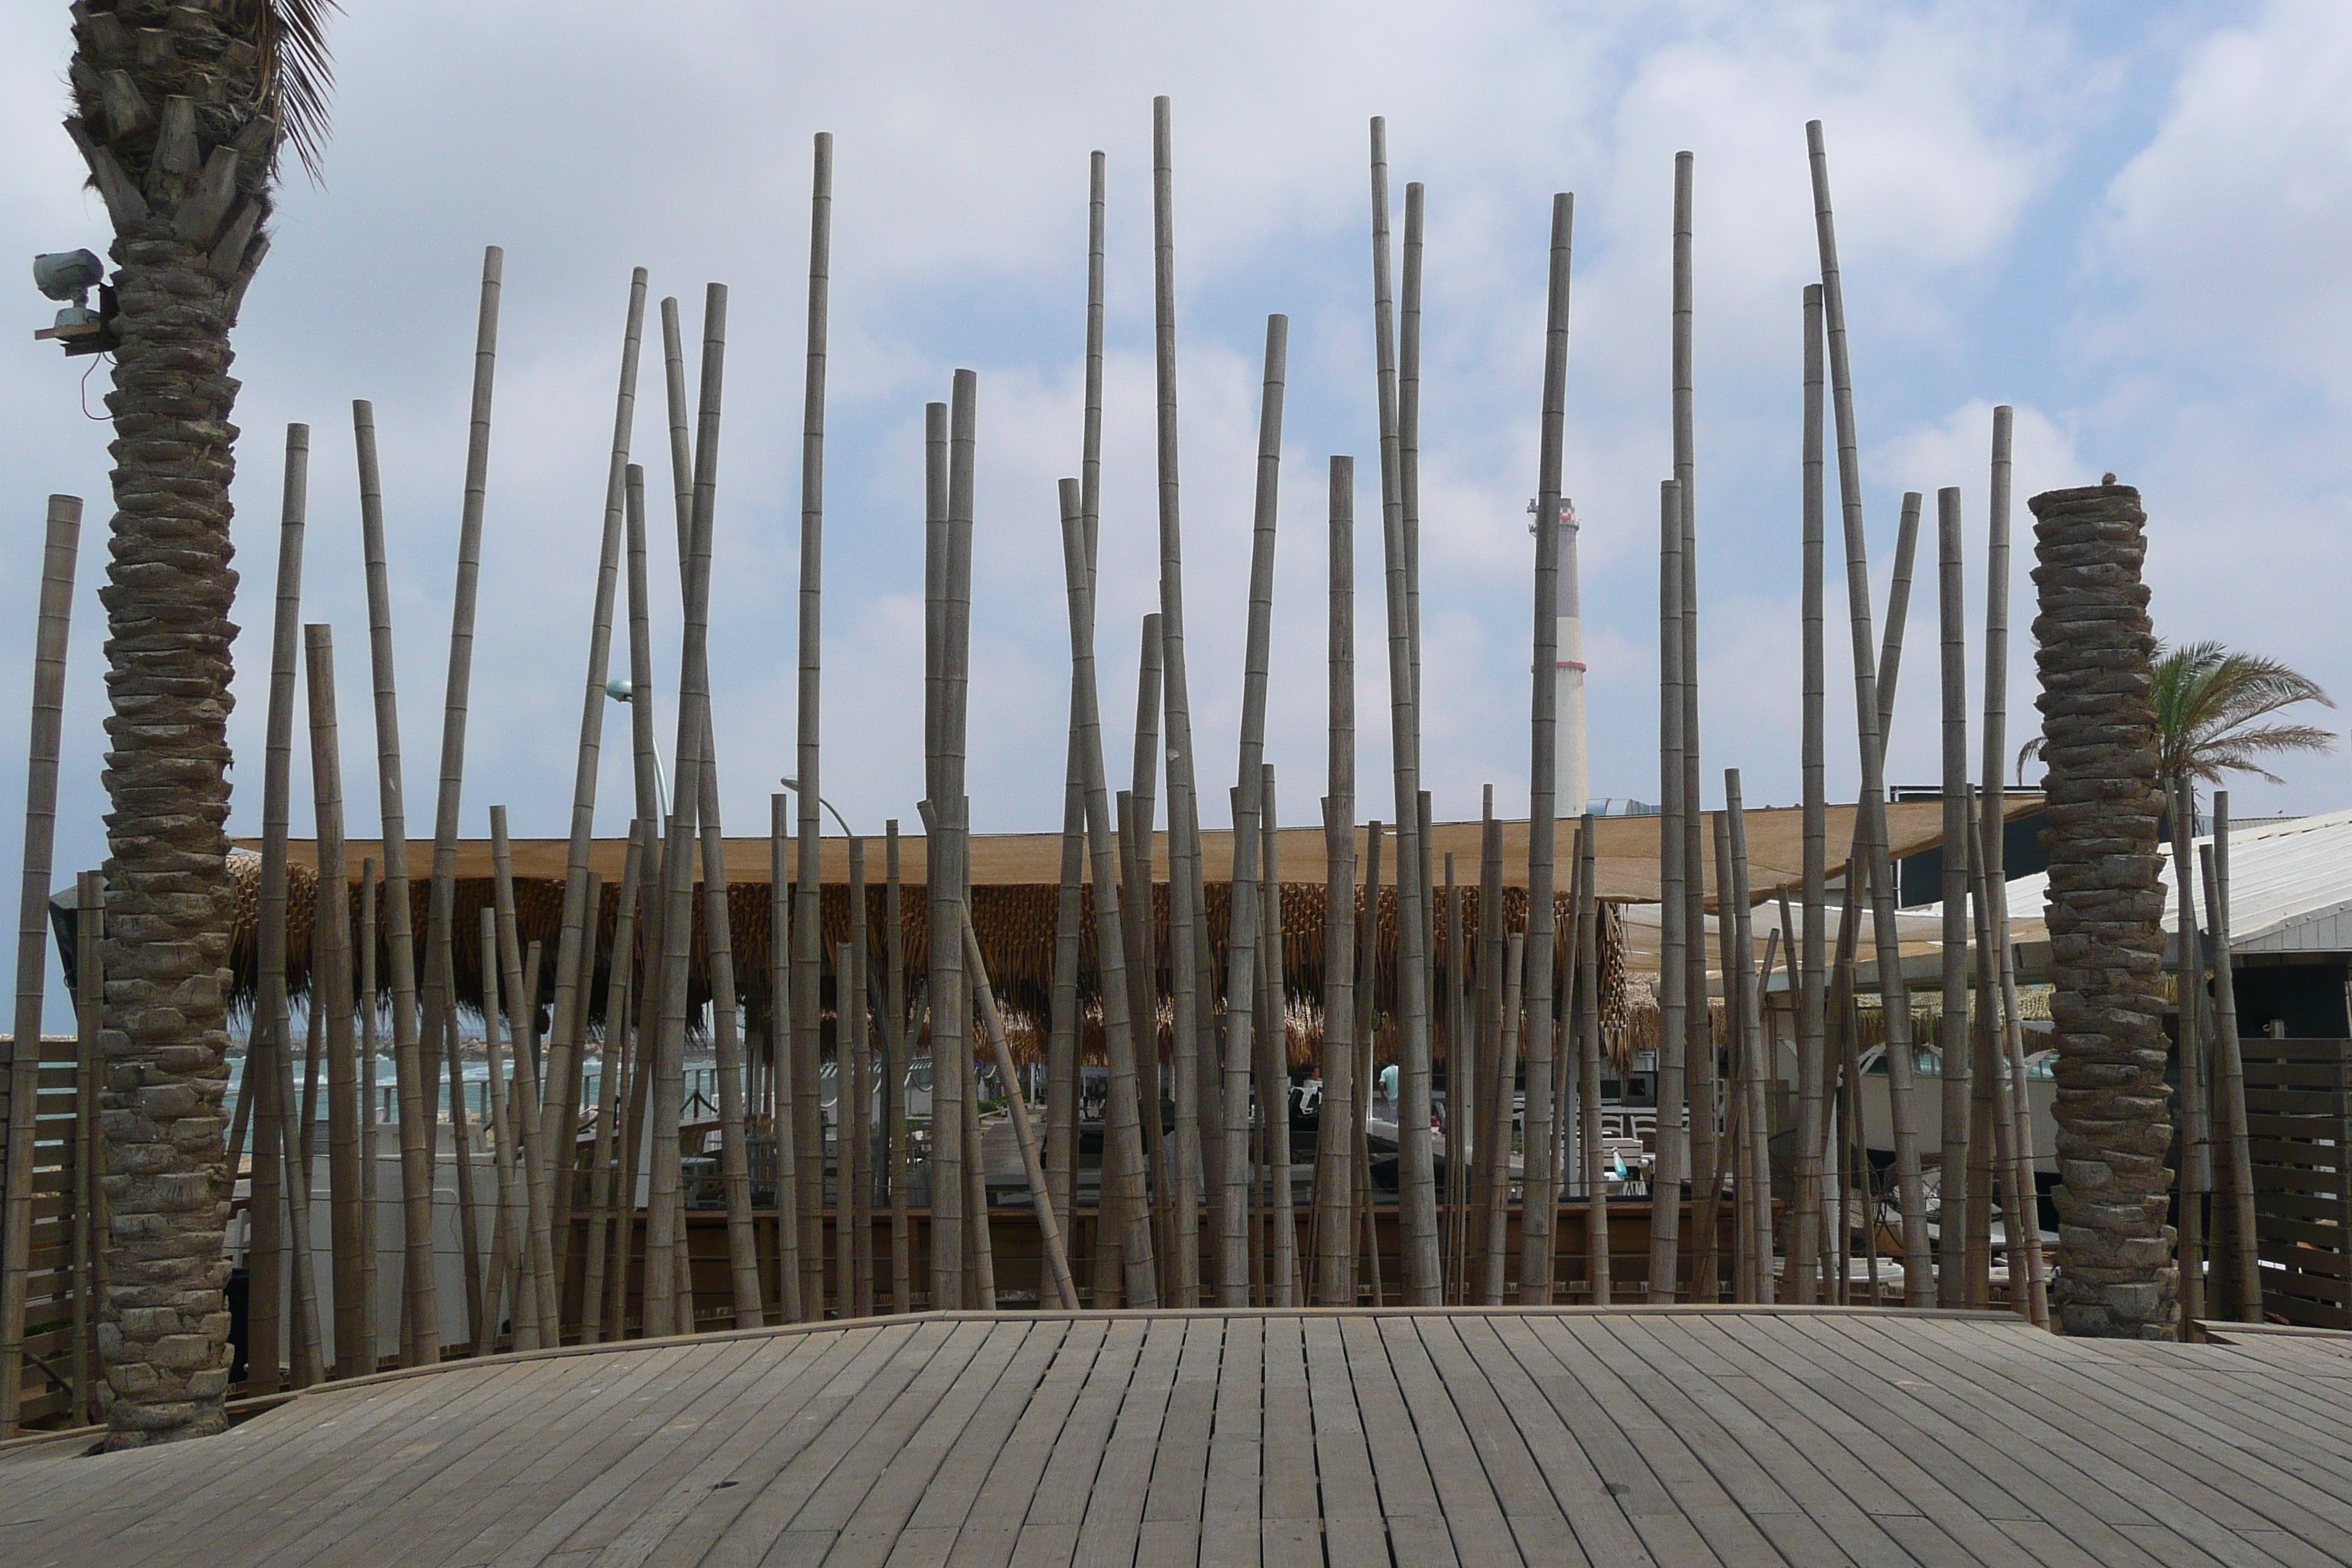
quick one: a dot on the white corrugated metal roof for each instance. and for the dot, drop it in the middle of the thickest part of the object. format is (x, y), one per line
(2290, 887)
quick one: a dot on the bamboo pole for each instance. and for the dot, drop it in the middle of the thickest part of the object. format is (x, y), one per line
(421, 1341)
(595, 1322)
(508, 1283)
(1755, 1059)
(2016, 1177)
(955, 650)
(1343, 1096)
(786, 1086)
(1190, 952)
(1408, 424)
(1915, 1283)
(1461, 1082)
(560, 1113)
(1994, 847)
(1478, 1118)
(269, 1054)
(1808, 1229)
(533, 1309)
(807, 932)
(1273, 1057)
(1698, 1043)
(2229, 1073)
(440, 1000)
(1952, 1035)
(894, 1048)
(2196, 1179)
(1498, 1157)
(1145, 962)
(844, 1004)
(1588, 1028)
(370, 1195)
(1241, 941)
(1537, 1218)
(1708, 1203)
(1367, 994)
(1670, 1161)
(856, 1095)
(734, 1155)
(1122, 1130)
(91, 1228)
(331, 985)
(942, 887)
(60, 548)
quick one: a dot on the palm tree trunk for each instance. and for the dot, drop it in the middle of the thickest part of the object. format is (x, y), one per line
(2099, 731)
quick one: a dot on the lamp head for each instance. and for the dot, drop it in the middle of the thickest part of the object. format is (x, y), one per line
(619, 689)
(68, 276)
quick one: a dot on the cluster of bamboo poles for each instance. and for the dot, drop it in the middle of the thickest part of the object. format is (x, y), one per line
(1198, 1207)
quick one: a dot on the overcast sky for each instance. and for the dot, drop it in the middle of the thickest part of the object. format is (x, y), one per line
(2128, 220)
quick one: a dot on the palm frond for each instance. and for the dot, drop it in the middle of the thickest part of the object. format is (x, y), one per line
(298, 70)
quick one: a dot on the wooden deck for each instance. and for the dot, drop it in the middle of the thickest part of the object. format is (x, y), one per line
(1668, 1436)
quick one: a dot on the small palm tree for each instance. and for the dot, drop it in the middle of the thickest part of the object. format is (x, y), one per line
(2211, 708)
(181, 113)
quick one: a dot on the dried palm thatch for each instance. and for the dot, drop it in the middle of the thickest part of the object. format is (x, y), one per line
(1015, 924)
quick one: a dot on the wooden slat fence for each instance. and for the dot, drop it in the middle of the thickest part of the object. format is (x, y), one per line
(2299, 1132)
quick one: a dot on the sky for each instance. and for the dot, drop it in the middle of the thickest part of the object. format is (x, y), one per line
(2128, 220)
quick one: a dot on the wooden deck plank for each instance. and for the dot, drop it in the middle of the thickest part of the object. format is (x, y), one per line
(1697, 1495)
(1235, 1466)
(1885, 1481)
(1580, 1492)
(1707, 1382)
(788, 1470)
(1115, 1513)
(1069, 1479)
(1457, 1472)
(991, 1527)
(1353, 1527)
(1686, 1437)
(2162, 1479)
(1004, 1359)
(588, 1493)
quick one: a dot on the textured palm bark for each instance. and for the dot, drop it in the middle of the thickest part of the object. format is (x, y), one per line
(2116, 1276)
(173, 113)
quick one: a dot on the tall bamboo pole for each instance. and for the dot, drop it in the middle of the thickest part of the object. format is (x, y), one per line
(1274, 1055)
(267, 1057)
(1755, 1058)
(1538, 1216)
(855, 1095)
(940, 883)
(1915, 1283)
(332, 988)
(421, 1343)
(734, 1155)
(1463, 1084)
(602, 1194)
(1952, 1035)
(1588, 1028)
(1670, 1166)
(511, 1282)
(1486, 1009)
(1241, 941)
(1343, 1097)
(1408, 424)
(955, 654)
(894, 1068)
(2196, 1176)
(1805, 1244)
(1707, 1204)
(1993, 839)
(440, 998)
(370, 1196)
(807, 932)
(1699, 1042)
(2229, 1073)
(552, 1157)
(1122, 1128)
(790, 1088)
(1062, 1040)
(89, 1227)
(2015, 1176)
(1368, 995)
(1145, 997)
(49, 641)
(533, 1299)
(1049, 1230)
(1188, 948)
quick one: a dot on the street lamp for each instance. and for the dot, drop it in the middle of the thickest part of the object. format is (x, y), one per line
(794, 785)
(620, 691)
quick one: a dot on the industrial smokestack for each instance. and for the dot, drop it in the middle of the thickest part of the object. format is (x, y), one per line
(1573, 783)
